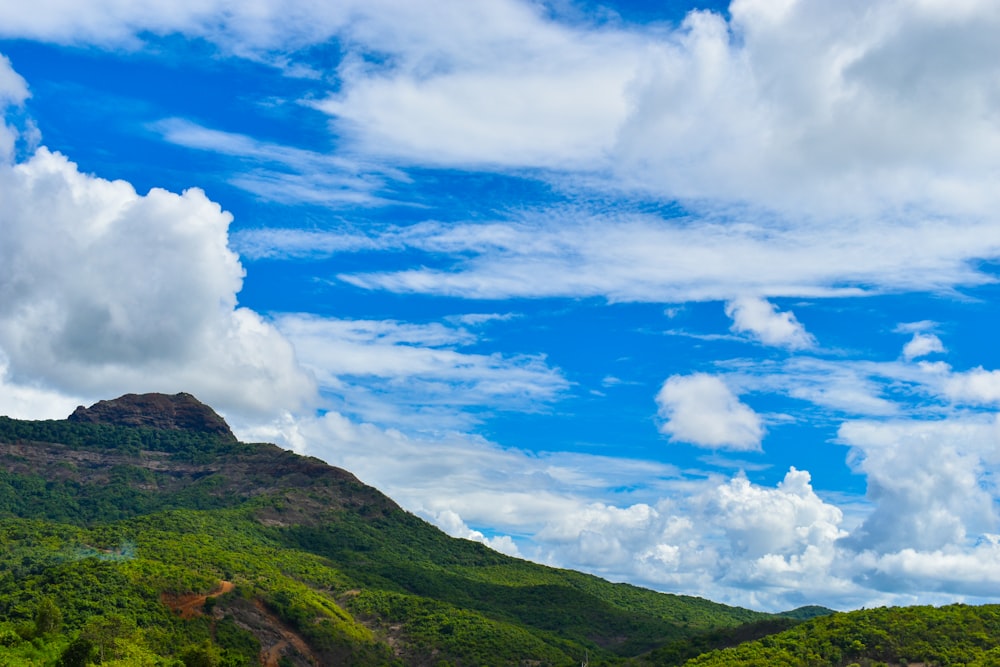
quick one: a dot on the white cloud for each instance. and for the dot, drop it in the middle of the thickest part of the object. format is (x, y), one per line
(822, 151)
(13, 87)
(104, 291)
(977, 386)
(479, 319)
(625, 257)
(823, 106)
(486, 83)
(915, 327)
(283, 173)
(921, 345)
(786, 519)
(929, 481)
(849, 387)
(811, 109)
(413, 375)
(13, 92)
(237, 25)
(451, 523)
(970, 572)
(31, 401)
(279, 243)
(759, 318)
(701, 410)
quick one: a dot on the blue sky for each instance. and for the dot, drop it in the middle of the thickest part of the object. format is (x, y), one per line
(700, 297)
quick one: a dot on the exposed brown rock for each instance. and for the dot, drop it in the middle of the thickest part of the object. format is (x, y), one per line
(178, 412)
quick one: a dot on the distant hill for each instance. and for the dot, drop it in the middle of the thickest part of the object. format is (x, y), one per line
(807, 612)
(141, 532)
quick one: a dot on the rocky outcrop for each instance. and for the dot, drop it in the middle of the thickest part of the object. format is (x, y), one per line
(179, 411)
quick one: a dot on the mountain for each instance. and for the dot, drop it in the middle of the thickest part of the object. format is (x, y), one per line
(139, 531)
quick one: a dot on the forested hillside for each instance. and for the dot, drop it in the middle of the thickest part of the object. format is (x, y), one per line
(136, 538)
(926, 636)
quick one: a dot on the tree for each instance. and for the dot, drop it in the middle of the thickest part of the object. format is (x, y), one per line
(205, 655)
(77, 654)
(48, 617)
(107, 632)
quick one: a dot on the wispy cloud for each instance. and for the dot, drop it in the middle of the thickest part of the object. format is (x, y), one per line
(643, 258)
(415, 375)
(283, 173)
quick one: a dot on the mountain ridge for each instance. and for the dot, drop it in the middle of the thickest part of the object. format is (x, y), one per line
(306, 547)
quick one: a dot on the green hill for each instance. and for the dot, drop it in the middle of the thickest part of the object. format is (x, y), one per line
(140, 532)
(925, 636)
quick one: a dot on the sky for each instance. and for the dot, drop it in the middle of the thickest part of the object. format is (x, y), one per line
(701, 297)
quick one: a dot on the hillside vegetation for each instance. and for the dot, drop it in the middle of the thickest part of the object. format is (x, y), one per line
(926, 636)
(129, 538)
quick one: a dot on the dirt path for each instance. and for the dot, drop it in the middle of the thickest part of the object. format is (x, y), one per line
(191, 605)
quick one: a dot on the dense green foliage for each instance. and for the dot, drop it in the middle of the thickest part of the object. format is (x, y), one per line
(807, 612)
(188, 446)
(679, 651)
(139, 546)
(944, 636)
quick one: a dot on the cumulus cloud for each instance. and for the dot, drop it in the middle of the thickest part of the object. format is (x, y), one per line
(977, 386)
(144, 297)
(845, 114)
(701, 410)
(761, 320)
(785, 519)
(921, 345)
(929, 481)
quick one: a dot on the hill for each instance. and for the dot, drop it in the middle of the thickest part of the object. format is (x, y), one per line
(141, 532)
(925, 636)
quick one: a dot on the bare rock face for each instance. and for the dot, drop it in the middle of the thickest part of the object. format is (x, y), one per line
(178, 412)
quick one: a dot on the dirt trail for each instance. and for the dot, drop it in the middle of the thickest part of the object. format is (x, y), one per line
(191, 605)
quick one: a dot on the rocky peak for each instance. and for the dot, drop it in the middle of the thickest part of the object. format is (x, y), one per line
(179, 412)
